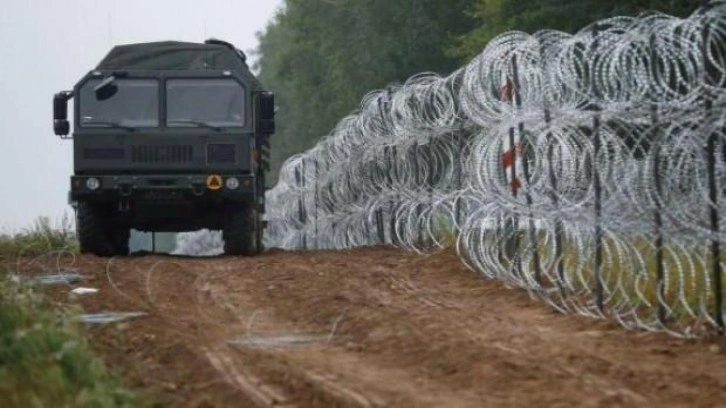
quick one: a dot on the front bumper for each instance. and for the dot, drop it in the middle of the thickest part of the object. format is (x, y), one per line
(166, 186)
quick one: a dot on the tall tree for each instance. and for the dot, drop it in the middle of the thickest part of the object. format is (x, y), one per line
(498, 16)
(322, 56)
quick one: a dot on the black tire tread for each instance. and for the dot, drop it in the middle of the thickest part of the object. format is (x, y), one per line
(239, 234)
(96, 235)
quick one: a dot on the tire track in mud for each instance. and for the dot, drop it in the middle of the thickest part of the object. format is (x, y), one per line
(261, 393)
(265, 333)
(403, 285)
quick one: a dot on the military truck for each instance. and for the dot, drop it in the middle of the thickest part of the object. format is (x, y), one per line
(168, 137)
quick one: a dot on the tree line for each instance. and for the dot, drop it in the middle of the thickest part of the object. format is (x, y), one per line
(320, 57)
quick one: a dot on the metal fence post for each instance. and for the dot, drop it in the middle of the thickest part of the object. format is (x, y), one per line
(713, 190)
(715, 244)
(512, 246)
(379, 212)
(350, 198)
(458, 184)
(394, 207)
(659, 249)
(559, 261)
(317, 174)
(525, 150)
(597, 186)
(300, 176)
(656, 145)
(416, 171)
(430, 187)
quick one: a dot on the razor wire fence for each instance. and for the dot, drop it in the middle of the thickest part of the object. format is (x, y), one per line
(587, 169)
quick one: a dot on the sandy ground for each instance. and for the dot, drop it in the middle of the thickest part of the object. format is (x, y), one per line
(371, 327)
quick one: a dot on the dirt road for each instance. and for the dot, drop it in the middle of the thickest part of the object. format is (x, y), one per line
(373, 327)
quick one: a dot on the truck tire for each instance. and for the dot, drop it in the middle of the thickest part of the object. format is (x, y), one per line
(97, 235)
(121, 237)
(239, 233)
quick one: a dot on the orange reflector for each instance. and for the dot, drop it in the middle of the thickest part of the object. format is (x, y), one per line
(214, 182)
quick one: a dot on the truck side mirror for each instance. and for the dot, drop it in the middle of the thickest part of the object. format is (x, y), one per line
(106, 89)
(265, 113)
(61, 127)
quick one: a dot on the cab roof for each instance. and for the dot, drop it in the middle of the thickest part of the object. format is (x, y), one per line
(176, 55)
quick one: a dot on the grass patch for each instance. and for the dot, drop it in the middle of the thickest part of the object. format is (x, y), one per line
(444, 231)
(45, 360)
(41, 238)
(629, 275)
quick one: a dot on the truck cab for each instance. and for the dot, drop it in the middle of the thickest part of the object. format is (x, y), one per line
(168, 137)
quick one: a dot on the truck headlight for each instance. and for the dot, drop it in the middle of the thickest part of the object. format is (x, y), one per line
(93, 184)
(232, 183)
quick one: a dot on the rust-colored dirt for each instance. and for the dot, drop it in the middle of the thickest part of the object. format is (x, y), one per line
(372, 327)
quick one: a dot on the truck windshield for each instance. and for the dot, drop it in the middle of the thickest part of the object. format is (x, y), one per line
(213, 102)
(135, 104)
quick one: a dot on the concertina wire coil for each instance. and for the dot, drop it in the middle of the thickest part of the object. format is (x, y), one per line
(580, 168)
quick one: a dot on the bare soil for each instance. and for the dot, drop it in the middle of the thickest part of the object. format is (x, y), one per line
(371, 327)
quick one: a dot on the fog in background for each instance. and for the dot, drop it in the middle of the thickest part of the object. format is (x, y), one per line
(47, 46)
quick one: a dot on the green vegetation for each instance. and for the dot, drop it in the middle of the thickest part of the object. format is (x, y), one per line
(498, 16)
(41, 238)
(629, 275)
(321, 57)
(44, 359)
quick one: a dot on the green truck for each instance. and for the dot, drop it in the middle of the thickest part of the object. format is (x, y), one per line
(168, 137)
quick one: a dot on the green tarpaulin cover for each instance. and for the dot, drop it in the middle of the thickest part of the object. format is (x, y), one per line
(175, 55)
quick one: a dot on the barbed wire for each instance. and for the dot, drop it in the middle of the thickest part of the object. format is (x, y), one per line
(588, 169)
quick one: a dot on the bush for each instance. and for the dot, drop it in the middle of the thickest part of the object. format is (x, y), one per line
(44, 359)
(41, 238)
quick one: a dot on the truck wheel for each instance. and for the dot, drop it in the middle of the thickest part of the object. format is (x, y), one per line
(93, 235)
(121, 237)
(239, 233)
(97, 235)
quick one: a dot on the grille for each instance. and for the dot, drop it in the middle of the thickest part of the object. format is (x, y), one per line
(162, 154)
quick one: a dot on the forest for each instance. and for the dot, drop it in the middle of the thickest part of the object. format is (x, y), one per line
(321, 57)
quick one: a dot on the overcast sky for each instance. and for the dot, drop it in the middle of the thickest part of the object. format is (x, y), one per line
(48, 45)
